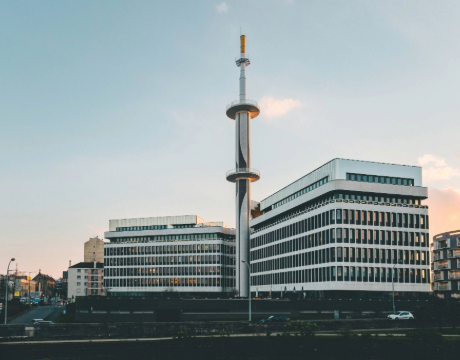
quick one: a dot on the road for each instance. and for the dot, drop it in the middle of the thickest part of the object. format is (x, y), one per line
(43, 312)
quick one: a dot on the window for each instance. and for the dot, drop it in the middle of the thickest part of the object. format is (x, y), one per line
(78, 290)
(78, 283)
(78, 270)
(78, 277)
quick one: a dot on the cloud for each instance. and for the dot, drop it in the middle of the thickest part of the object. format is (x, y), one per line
(272, 108)
(222, 7)
(438, 171)
(99, 232)
(444, 210)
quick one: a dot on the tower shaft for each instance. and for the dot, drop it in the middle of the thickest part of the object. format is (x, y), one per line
(242, 111)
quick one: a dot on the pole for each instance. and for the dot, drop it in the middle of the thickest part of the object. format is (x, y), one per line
(249, 272)
(393, 283)
(6, 291)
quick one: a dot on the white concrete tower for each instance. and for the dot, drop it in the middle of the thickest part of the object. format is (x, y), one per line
(242, 111)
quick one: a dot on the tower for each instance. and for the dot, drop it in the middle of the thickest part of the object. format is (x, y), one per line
(242, 111)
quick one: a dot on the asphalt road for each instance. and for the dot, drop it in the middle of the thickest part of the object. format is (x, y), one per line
(43, 312)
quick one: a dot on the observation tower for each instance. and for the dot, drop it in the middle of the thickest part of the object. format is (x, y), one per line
(242, 111)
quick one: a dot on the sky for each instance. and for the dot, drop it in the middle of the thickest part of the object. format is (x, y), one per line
(116, 109)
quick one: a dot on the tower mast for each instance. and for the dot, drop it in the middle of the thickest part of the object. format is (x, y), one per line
(242, 111)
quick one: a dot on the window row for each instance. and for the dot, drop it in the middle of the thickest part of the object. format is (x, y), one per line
(357, 197)
(137, 228)
(173, 270)
(170, 260)
(301, 192)
(343, 216)
(340, 235)
(342, 254)
(380, 179)
(169, 249)
(343, 273)
(168, 282)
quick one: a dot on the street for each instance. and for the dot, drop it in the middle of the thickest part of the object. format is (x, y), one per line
(43, 312)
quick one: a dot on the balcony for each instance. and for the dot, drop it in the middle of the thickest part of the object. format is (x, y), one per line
(442, 244)
(438, 256)
(454, 253)
(442, 265)
(454, 275)
(444, 286)
(438, 276)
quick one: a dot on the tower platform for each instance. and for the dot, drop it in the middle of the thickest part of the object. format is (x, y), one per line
(243, 173)
(236, 106)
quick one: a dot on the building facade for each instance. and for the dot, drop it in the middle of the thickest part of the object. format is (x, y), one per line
(94, 250)
(158, 255)
(85, 279)
(445, 265)
(45, 285)
(341, 230)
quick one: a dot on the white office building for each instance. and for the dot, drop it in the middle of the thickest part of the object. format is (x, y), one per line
(157, 255)
(339, 231)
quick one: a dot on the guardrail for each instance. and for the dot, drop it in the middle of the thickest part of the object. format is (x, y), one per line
(242, 102)
(242, 170)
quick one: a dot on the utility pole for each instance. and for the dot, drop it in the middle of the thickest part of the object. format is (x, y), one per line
(249, 273)
(393, 283)
(6, 290)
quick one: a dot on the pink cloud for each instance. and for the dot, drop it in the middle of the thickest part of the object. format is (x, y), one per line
(438, 171)
(99, 232)
(444, 210)
(271, 108)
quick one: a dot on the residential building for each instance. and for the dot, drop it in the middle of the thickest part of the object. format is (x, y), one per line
(94, 250)
(61, 285)
(45, 285)
(340, 231)
(84, 279)
(445, 265)
(157, 255)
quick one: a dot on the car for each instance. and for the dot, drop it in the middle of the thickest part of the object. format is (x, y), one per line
(45, 322)
(401, 315)
(274, 319)
(36, 321)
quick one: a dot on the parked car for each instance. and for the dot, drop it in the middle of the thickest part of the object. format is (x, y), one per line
(45, 322)
(275, 319)
(36, 321)
(401, 315)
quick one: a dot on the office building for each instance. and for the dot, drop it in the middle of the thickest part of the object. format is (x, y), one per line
(339, 231)
(445, 265)
(157, 255)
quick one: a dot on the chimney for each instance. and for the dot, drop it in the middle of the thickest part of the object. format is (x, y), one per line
(70, 263)
(94, 263)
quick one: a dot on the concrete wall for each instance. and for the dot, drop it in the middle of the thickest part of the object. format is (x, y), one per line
(94, 250)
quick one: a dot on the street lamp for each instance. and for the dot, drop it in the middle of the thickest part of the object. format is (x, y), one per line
(393, 283)
(249, 274)
(6, 290)
(30, 272)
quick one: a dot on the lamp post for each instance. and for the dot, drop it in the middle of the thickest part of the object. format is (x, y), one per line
(393, 283)
(30, 297)
(249, 272)
(6, 290)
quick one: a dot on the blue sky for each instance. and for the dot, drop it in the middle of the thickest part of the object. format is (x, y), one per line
(116, 109)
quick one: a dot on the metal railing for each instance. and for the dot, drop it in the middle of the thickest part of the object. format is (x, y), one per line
(242, 102)
(454, 276)
(242, 56)
(242, 170)
(444, 287)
